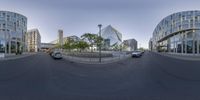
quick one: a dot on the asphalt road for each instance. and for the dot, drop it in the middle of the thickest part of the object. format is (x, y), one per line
(151, 77)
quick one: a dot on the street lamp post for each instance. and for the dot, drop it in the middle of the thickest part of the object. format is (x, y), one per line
(100, 25)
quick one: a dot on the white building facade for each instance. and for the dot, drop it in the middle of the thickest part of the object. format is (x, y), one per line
(13, 28)
(60, 37)
(33, 40)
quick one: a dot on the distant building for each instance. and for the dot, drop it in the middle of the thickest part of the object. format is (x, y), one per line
(150, 44)
(60, 37)
(67, 39)
(54, 41)
(111, 36)
(130, 44)
(47, 46)
(13, 28)
(106, 44)
(33, 40)
(71, 38)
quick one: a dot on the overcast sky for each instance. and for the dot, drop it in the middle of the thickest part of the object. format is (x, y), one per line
(133, 18)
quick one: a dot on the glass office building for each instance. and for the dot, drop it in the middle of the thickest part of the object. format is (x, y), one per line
(178, 33)
(13, 28)
(111, 36)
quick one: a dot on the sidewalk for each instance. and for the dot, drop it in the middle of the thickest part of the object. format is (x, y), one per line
(191, 57)
(95, 60)
(13, 56)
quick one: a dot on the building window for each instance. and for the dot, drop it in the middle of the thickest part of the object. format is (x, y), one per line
(13, 47)
(4, 25)
(190, 35)
(179, 16)
(190, 46)
(8, 18)
(172, 47)
(179, 27)
(199, 46)
(2, 46)
(179, 47)
(4, 14)
(196, 18)
(195, 47)
(184, 46)
(15, 26)
(18, 23)
(183, 17)
(191, 23)
(15, 15)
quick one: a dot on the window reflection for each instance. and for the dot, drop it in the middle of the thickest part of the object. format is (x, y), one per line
(190, 46)
(2, 46)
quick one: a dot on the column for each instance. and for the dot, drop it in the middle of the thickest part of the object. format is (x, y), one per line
(193, 42)
(185, 43)
(16, 47)
(5, 42)
(9, 47)
(182, 40)
(198, 46)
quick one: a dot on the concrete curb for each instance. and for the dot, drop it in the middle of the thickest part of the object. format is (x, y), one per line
(180, 57)
(95, 60)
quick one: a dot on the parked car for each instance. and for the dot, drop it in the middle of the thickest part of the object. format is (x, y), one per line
(137, 53)
(56, 54)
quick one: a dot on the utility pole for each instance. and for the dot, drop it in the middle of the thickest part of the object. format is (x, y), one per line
(100, 25)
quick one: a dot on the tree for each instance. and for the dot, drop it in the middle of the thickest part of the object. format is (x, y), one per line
(142, 49)
(116, 47)
(58, 46)
(91, 38)
(82, 45)
(99, 41)
(66, 45)
(124, 47)
(69, 45)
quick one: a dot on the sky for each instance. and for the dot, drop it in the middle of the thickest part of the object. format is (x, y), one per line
(133, 18)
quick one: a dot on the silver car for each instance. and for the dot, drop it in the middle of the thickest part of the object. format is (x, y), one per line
(137, 53)
(56, 54)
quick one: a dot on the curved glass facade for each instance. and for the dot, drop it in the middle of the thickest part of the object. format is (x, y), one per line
(178, 33)
(13, 28)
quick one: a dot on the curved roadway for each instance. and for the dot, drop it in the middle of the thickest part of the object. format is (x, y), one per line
(151, 77)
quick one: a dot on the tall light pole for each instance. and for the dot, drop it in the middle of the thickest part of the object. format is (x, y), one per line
(100, 25)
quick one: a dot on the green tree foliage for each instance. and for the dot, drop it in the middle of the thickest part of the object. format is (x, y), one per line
(81, 45)
(124, 47)
(71, 45)
(99, 41)
(58, 46)
(91, 38)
